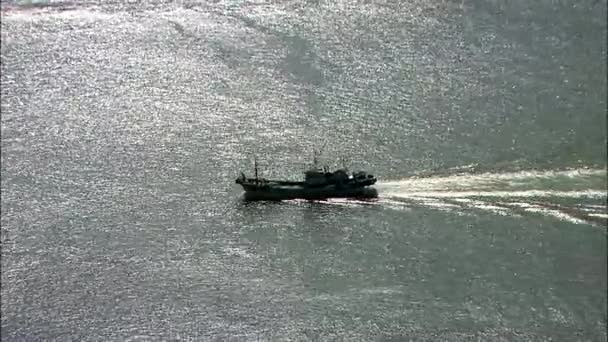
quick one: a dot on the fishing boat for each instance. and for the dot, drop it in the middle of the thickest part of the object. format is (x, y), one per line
(318, 184)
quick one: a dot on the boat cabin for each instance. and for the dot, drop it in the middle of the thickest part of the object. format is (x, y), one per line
(321, 177)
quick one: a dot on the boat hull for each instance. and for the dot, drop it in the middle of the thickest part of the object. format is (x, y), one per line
(297, 192)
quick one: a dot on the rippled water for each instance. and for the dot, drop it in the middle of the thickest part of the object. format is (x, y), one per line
(124, 125)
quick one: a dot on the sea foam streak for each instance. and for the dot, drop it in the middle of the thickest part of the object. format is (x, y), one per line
(508, 193)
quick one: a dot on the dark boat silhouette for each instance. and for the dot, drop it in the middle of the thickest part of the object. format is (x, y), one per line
(318, 184)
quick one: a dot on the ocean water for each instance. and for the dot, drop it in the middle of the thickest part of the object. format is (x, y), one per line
(125, 123)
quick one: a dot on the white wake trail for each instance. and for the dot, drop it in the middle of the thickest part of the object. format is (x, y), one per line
(509, 193)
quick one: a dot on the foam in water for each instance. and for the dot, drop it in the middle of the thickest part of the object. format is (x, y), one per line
(464, 191)
(496, 181)
(510, 194)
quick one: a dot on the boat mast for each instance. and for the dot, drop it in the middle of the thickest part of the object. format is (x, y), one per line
(255, 166)
(316, 153)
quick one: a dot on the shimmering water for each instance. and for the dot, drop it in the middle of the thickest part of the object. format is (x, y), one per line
(124, 125)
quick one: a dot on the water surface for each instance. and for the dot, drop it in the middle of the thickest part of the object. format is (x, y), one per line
(124, 126)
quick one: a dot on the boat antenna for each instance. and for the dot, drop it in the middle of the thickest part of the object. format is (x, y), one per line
(255, 166)
(322, 148)
(316, 153)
